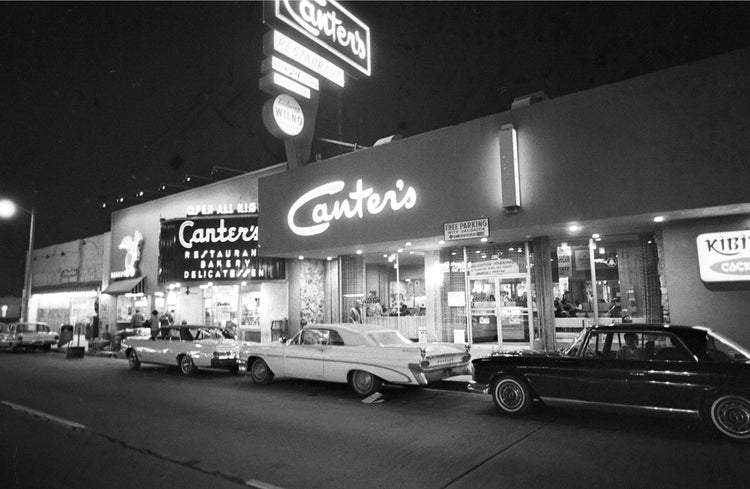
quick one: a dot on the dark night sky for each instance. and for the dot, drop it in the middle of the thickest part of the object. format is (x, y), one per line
(102, 99)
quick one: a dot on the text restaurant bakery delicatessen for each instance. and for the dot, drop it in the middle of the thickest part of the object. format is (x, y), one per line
(214, 248)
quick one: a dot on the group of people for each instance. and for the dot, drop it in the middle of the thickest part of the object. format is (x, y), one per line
(154, 322)
(371, 307)
(565, 308)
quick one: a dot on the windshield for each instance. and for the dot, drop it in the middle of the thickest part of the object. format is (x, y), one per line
(573, 349)
(720, 348)
(389, 338)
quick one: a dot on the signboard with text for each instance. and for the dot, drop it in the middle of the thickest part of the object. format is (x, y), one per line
(328, 24)
(724, 257)
(475, 228)
(214, 249)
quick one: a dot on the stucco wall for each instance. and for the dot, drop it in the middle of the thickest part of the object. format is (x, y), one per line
(724, 307)
(672, 140)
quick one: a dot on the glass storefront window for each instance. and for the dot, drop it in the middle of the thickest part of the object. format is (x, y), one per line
(489, 295)
(624, 284)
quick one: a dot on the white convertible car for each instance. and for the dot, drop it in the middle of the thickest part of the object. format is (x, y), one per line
(189, 347)
(361, 355)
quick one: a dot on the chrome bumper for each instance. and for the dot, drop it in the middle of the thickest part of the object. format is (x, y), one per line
(478, 388)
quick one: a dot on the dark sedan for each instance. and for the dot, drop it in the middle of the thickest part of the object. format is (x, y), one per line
(687, 371)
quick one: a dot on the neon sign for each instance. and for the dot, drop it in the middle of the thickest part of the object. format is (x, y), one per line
(362, 201)
(132, 246)
(218, 234)
(331, 26)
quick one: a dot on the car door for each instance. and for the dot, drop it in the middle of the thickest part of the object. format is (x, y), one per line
(594, 376)
(672, 379)
(304, 357)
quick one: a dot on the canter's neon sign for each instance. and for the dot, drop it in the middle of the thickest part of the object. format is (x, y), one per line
(360, 202)
(331, 26)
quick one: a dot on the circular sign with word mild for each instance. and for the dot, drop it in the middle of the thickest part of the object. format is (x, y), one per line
(283, 116)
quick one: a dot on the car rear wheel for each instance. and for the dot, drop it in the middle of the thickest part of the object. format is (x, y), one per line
(187, 366)
(364, 383)
(512, 396)
(133, 361)
(731, 416)
(260, 373)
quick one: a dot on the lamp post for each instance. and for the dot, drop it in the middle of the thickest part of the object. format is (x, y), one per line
(8, 209)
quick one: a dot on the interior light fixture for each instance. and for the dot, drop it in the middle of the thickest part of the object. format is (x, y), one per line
(659, 219)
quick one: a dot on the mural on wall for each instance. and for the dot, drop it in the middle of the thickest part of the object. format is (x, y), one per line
(312, 292)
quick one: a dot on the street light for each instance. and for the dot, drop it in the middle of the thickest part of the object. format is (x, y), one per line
(7, 210)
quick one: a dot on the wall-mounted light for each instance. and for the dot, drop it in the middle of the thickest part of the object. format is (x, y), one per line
(191, 178)
(510, 185)
(163, 186)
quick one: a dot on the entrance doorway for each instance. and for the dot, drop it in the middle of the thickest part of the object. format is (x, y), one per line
(499, 310)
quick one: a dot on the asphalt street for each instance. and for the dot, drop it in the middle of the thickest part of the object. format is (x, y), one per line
(91, 422)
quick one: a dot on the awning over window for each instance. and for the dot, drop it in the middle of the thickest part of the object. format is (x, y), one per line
(127, 286)
(67, 287)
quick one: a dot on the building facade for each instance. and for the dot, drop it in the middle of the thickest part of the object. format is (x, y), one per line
(66, 280)
(513, 230)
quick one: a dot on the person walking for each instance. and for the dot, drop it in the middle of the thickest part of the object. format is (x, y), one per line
(137, 320)
(153, 323)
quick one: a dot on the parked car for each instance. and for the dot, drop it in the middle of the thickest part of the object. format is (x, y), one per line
(29, 335)
(187, 346)
(688, 371)
(363, 356)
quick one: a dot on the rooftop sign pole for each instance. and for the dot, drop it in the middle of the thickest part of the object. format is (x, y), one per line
(307, 36)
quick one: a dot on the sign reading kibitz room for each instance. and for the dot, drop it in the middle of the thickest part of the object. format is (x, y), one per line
(724, 257)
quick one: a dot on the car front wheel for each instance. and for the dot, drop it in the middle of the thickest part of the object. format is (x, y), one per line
(731, 416)
(187, 366)
(512, 396)
(260, 373)
(133, 361)
(364, 383)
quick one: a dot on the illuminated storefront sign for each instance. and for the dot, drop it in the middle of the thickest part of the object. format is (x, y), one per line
(329, 25)
(132, 247)
(724, 257)
(276, 80)
(214, 249)
(279, 65)
(300, 54)
(283, 116)
(501, 266)
(228, 208)
(362, 201)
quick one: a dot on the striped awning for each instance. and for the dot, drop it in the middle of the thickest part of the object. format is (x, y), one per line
(126, 286)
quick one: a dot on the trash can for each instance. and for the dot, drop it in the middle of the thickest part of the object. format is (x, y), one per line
(66, 334)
